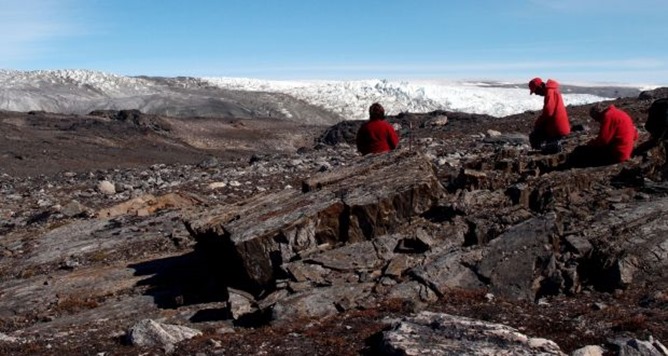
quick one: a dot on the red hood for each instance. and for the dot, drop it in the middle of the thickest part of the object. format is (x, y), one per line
(551, 84)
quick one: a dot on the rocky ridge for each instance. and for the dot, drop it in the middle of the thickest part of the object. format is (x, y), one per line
(309, 250)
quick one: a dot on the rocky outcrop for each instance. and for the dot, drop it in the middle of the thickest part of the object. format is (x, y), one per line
(361, 202)
(653, 94)
(629, 240)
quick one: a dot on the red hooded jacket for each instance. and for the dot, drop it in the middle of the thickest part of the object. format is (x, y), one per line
(376, 136)
(554, 119)
(617, 132)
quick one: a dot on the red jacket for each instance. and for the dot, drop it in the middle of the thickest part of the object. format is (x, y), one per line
(376, 136)
(617, 132)
(553, 121)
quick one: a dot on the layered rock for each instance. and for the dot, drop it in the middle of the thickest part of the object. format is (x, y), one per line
(371, 198)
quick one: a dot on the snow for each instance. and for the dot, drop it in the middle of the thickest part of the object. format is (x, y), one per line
(350, 99)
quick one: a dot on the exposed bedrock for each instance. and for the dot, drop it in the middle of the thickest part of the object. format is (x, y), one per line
(385, 227)
(373, 197)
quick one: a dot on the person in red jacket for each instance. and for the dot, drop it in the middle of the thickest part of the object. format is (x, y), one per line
(614, 143)
(376, 135)
(552, 124)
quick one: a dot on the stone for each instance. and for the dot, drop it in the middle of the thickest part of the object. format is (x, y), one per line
(72, 209)
(11, 339)
(441, 120)
(445, 271)
(397, 265)
(590, 350)
(430, 333)
(353, 257)
(624, 255)
(320, 302)
(217, 185)
(106, 187)
(150, 333)
(581, 245)
(240, 303)
(510, 261)
(412, 291)
(636, 347)
(306, 272)
(148, 204)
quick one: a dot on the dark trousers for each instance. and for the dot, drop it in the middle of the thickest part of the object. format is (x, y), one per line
(591, 156)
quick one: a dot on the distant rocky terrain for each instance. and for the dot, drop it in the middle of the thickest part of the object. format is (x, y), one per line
(80, 92)
(125, 233)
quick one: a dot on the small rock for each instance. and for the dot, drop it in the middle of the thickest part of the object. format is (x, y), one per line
(441, 120)
(493, 133)
(106, 187)
(7, 338)
(210, 162)
(590, 350)
(599, 306)
(150, 333)
(216, 185)
(72, 209)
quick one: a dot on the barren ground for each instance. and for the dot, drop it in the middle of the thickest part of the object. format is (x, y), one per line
(44, 144)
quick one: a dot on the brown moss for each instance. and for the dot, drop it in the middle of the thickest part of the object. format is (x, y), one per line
(72, 304)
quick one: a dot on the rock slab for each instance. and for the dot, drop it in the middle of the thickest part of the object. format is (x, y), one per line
(370, 198)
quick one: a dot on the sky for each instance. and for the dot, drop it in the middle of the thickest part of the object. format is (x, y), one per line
(572, 41)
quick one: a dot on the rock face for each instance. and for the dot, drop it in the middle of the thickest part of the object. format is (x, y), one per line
(356, 204)
(514, 263)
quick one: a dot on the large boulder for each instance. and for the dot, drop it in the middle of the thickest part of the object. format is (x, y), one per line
(516, 262)
(627, 241)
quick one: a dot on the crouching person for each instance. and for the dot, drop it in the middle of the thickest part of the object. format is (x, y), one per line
(552, 124)
(614, 144)
(376, 135)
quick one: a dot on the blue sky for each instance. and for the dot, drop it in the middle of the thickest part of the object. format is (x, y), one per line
(622, 41)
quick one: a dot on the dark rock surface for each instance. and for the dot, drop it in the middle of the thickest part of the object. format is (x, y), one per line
(270, 240)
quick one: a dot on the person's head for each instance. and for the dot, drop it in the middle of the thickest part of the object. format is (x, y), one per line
(376, 112)
(536, 86)
(597, 110)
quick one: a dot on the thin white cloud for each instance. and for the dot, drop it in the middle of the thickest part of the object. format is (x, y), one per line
(26, 26)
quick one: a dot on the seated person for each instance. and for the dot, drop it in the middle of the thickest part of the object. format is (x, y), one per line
(376, 135)
(615, 140)
(552, 124)
(656, 125)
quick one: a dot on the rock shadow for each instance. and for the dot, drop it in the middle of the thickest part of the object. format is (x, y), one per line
(179, 280)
